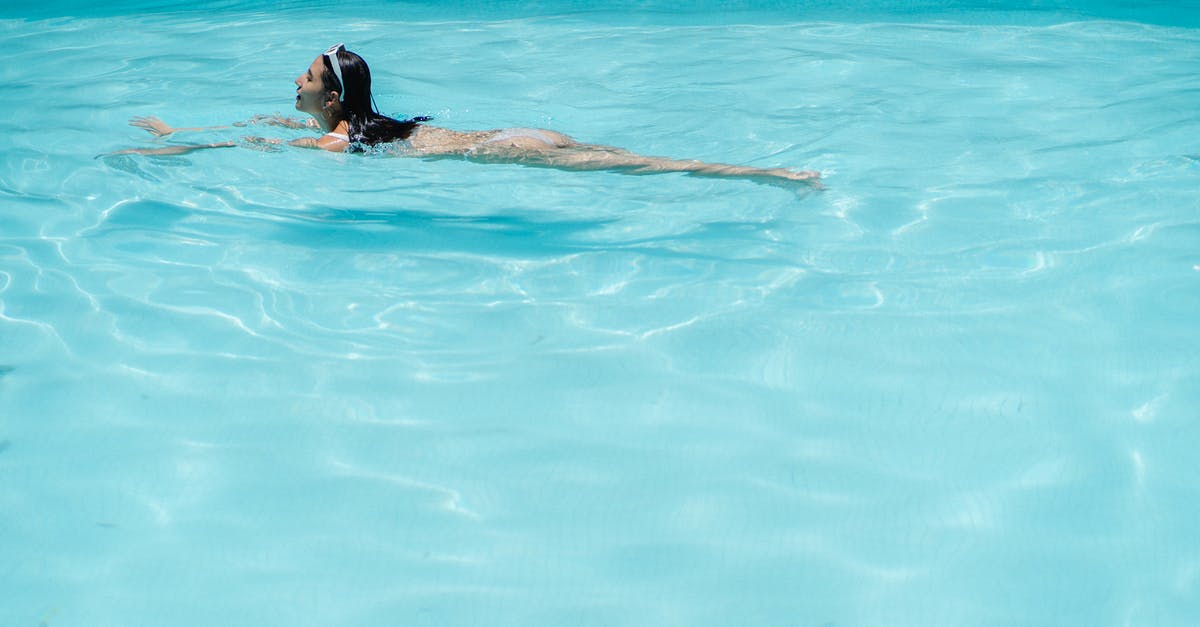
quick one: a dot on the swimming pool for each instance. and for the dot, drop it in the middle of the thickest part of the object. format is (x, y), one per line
(261, 388)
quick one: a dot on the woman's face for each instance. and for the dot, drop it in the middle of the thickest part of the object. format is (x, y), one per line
(311, 96)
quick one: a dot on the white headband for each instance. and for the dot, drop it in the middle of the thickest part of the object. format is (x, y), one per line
(337, 68)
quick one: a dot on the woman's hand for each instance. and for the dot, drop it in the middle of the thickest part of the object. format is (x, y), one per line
(155, 126)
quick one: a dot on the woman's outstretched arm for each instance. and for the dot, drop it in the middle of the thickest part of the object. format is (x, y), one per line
(170, 150)
(158, 128)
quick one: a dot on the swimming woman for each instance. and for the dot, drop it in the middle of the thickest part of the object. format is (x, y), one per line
(336, 91)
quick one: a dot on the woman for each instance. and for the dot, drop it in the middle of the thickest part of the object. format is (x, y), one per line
(336, 91)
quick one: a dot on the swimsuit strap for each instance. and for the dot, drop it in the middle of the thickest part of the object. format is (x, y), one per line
(345, 138)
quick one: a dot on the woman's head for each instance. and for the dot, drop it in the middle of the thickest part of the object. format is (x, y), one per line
(349, 75)
(337, 82)
(337, 86)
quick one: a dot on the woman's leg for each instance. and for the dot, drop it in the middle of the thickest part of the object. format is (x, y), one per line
(567, 154)
(593, 157)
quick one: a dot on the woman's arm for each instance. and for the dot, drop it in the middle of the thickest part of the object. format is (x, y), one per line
(325, 142)
(170, 150)
(256, 143)
(158, 128)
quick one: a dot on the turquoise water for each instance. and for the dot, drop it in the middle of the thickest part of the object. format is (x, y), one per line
(959, 387)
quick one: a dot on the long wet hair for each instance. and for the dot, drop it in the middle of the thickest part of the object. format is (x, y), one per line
(367, 126)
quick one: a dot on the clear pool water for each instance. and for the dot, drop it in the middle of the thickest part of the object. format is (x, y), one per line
(959, 387)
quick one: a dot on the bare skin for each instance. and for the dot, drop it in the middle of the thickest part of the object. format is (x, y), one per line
(436, 142)
(568, 154)
(545, 148)
(158, 128)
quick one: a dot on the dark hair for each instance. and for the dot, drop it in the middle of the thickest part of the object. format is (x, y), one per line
(367, 126)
